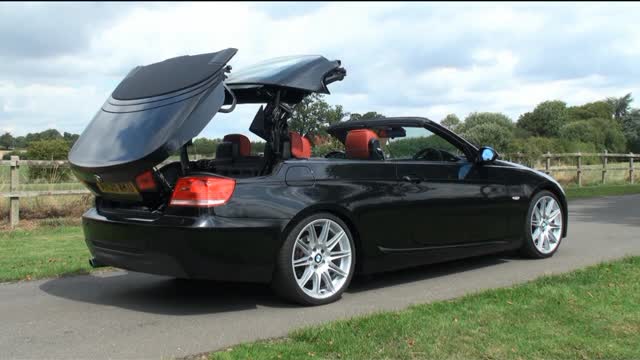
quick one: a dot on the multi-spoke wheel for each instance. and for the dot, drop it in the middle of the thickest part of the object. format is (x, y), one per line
(544, 226)
(316, 262)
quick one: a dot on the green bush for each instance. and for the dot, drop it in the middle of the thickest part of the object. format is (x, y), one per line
(490, 134)
(324, 149)
(57, 149)
(482, 118)
(8, 155)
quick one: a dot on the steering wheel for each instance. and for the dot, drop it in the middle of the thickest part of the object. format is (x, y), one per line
(429, 154)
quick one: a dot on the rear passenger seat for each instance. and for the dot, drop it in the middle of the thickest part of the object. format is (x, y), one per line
(233, 157)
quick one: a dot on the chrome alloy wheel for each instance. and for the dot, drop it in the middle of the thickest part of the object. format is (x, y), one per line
(321, 258)
(546, 224)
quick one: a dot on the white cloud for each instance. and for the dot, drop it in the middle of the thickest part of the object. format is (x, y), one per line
(402, 59)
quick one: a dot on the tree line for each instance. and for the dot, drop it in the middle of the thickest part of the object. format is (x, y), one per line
(49, 144)
(610, 124)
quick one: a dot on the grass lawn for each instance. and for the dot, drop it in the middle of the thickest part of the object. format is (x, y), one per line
(590, 313)
(574, 192)
(43, 252)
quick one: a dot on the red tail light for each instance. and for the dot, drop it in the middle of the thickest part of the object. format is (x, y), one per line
(145, 181)
(202, 191)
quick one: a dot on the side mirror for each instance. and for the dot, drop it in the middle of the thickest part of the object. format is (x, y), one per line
(486, 155)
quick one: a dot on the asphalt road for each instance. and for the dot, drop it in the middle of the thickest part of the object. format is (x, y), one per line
(127, 315)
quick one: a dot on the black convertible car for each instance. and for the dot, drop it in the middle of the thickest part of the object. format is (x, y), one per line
(397, 192)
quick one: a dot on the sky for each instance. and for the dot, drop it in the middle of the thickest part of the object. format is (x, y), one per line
(59, 62)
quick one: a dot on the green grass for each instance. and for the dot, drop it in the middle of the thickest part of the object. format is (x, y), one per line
(601, 190)
(591, 313)
(43, 252)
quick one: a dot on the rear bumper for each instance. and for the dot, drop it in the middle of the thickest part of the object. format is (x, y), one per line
(228, 249)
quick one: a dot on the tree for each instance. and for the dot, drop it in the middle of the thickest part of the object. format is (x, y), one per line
(597, 109)
(631, 130)
(603, 133)
(481, 118)
(48, 150)
(20, 142)
(50, 134)
(70, 138)
(581, 130)
(7, 140)
(620, 106)
(546, 119)
(489, 134)
(488, 129)
(451, 122)
(312, 116)
(366, 116)
(204, 146)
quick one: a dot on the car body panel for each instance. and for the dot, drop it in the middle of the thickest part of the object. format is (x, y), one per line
(206, 247)
(367, 196)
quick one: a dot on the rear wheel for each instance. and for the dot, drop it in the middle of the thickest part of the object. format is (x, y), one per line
(316, 262)
(544, 225)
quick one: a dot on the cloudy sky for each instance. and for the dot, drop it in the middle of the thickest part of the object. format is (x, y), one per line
(59, 62)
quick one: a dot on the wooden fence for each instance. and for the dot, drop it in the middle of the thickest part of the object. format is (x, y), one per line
(14, 194)
(579, 167)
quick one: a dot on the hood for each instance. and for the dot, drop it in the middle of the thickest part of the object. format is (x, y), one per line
(154, 111)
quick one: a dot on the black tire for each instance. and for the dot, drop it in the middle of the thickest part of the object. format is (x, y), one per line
(284, 282)
(528, 248)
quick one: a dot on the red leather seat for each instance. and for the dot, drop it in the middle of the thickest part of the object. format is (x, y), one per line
(300, 146)
(363, 144)
(242, 142)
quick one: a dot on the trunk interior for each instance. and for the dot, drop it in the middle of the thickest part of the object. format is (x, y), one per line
(151, 204)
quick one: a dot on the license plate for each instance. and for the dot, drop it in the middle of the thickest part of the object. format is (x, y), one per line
(118, 188)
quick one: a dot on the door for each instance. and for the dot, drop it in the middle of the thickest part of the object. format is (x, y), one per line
(448, 200)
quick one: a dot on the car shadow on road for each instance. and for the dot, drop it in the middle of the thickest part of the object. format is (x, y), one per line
(167, 296)
(162, 295)
(425, 272)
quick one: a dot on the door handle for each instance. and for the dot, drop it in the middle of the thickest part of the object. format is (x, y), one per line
(412, 179)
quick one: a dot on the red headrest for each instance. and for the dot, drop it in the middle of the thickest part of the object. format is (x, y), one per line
(357, 143)
(244, 145)
(300, 146)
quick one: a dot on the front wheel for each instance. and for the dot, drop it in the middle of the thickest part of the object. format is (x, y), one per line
(543, 226)
(316, 261)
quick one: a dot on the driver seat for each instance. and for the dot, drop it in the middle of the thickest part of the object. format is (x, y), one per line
(363, 144)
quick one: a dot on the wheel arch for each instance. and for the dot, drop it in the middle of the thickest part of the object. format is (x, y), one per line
(559, 193)
(337, 211)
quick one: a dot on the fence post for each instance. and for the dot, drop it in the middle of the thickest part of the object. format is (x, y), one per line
(630, 168)
(604, 167)
(14, 201)
(547, 163)
(579, 169)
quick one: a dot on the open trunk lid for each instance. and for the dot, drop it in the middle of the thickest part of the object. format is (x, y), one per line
(154, 111)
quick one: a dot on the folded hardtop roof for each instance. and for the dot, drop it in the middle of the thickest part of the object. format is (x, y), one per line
(158, 108)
